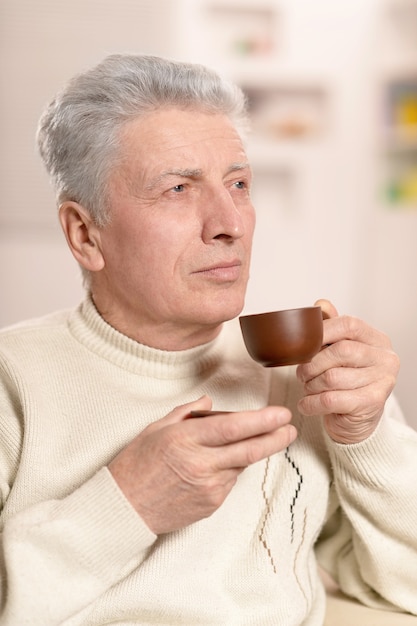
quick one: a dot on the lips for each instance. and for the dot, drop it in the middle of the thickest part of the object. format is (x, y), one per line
(222, 270)
(222, 265)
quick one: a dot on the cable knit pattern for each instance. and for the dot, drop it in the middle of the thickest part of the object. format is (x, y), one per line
(74, 391)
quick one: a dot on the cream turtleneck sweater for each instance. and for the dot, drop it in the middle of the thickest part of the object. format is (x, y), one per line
(74, 391)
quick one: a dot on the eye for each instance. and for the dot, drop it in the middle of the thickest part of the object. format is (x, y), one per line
(178, 188)
(241, 185)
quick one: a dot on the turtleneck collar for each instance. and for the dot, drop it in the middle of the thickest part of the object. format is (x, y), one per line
(89, 328)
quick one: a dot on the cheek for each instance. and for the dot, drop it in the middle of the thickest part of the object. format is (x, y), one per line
(147, 256)
(122, 249)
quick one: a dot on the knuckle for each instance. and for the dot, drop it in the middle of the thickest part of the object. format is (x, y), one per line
(215, 497)
(214, 491)
(287, 436)
(396, 363)
(371, 400)
(350, 325)
(328, 401)
(392, 380)
(343, 350)
(348, 348)
(255, 451)
(331, 378)
(195, 471)
(230, 430)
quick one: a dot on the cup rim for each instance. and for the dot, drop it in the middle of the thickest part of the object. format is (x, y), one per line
(266, 313)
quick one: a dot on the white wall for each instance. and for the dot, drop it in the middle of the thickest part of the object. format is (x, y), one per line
(42, 44)
(321, 230)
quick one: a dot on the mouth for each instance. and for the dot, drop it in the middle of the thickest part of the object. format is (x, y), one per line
(223, 271)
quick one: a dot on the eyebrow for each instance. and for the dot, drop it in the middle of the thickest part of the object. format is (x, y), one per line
(192, 173)
(183, 173)
(237, 167)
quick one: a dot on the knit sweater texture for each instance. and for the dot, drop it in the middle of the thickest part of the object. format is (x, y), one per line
(74, 391)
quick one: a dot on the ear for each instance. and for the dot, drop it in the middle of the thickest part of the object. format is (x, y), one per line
(82, 235)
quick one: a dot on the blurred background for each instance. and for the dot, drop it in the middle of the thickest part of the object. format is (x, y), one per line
(333, 92)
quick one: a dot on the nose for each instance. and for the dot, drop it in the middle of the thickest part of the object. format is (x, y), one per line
(223, 219)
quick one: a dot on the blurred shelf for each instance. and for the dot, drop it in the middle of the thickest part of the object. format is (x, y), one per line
(398, 138)
(286, 111)
(401, 139)
(242, 30)
(399, 180)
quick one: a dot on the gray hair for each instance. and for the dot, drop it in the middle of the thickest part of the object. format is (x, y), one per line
(78, 134)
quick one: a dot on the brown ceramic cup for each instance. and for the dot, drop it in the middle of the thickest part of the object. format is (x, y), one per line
(283, 337)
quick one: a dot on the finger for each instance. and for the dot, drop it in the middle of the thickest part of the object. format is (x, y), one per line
(367, 365)
(245, 453)
(355, 329)
(224, 429)
(343, 378)
(328, 309)
(348, 353)
(378, 380)
(343, 354)
(350, 327)
(358, 403)
(183, 411)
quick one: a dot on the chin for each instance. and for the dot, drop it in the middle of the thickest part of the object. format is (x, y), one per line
(224, 312)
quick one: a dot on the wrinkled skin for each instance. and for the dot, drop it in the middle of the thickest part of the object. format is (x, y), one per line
(350, 379)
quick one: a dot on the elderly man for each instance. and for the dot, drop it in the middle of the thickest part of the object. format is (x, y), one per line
(120, 507)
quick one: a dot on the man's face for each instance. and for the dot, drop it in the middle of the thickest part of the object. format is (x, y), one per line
(177, 248)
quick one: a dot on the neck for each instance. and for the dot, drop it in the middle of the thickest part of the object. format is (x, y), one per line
(163, 335)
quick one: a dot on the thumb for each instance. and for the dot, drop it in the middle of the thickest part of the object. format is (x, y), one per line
(328, 309)
(183, 411)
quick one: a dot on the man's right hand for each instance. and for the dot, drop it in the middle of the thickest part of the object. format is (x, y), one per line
(180, 469)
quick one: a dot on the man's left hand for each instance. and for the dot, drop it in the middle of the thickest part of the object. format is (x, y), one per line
(349, 380)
